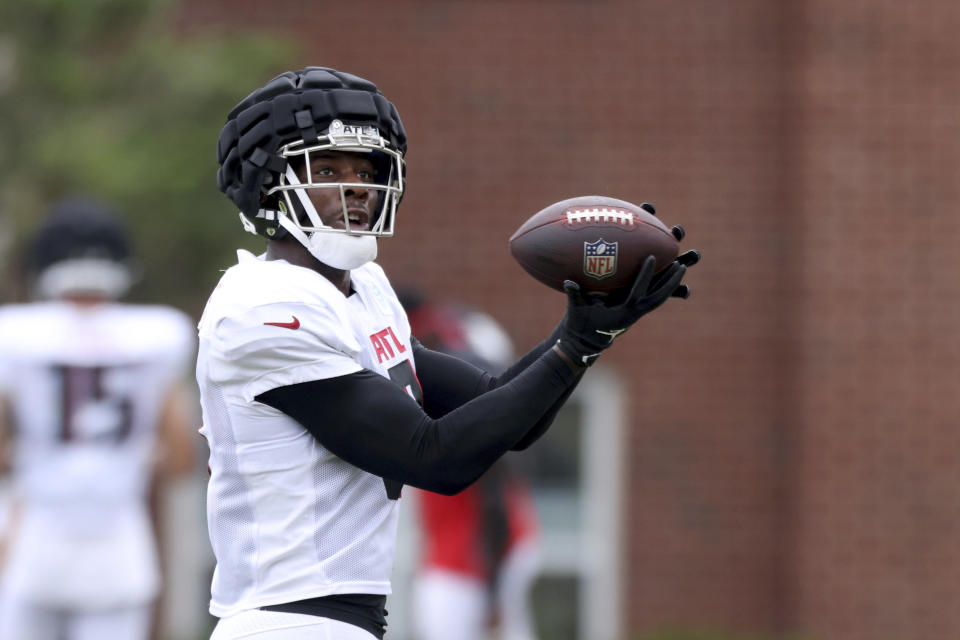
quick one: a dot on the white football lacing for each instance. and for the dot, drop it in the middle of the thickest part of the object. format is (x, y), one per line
(600, 214)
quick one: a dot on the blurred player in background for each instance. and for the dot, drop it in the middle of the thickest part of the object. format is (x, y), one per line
(318, 404)
(95, 411)
(480, 548)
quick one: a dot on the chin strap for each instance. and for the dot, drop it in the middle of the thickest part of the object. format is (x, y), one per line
(293, 229)
(339, 250)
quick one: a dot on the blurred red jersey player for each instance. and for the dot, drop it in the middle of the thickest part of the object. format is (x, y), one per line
(480, 552)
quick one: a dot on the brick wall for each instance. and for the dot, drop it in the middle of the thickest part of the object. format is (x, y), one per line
(793, 444)
(878, 509)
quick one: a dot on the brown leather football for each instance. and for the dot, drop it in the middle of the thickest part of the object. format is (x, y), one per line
(596, 241)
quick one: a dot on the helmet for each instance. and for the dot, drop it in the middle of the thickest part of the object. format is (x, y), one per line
(295, 114)
(80, 249)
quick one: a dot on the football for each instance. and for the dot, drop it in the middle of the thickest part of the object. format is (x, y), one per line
(598, 242)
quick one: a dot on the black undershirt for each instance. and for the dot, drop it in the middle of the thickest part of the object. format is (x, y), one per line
(364, 610)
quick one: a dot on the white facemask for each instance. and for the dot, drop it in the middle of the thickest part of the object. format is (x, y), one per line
(336, 249)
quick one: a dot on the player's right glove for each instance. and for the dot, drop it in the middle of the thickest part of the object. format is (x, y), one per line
(590, 326)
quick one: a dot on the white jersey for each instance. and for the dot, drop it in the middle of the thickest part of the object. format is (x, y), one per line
(86, 385)
(288, 520)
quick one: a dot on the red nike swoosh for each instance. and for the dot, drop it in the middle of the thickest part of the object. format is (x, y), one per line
(286, 325)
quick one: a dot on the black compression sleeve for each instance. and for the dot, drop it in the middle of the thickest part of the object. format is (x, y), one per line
(530, 356)
(373, 424)
(449, 382)
(452, 381)
(546, 420)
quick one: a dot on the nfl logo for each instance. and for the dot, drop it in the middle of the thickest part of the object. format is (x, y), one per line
(599, 259)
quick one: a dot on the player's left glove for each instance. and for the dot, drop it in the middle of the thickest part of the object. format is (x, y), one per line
(590, 325)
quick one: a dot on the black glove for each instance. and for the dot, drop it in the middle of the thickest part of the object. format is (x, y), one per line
(590, 325)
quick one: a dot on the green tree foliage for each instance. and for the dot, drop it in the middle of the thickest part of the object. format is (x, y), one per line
(108, 98)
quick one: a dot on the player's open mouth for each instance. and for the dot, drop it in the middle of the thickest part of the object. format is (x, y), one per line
(358, 219)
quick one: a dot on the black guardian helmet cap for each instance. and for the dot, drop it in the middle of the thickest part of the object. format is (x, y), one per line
(294, 114)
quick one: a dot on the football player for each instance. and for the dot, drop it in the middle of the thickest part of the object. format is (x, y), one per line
(318, 405)
(96, 405)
